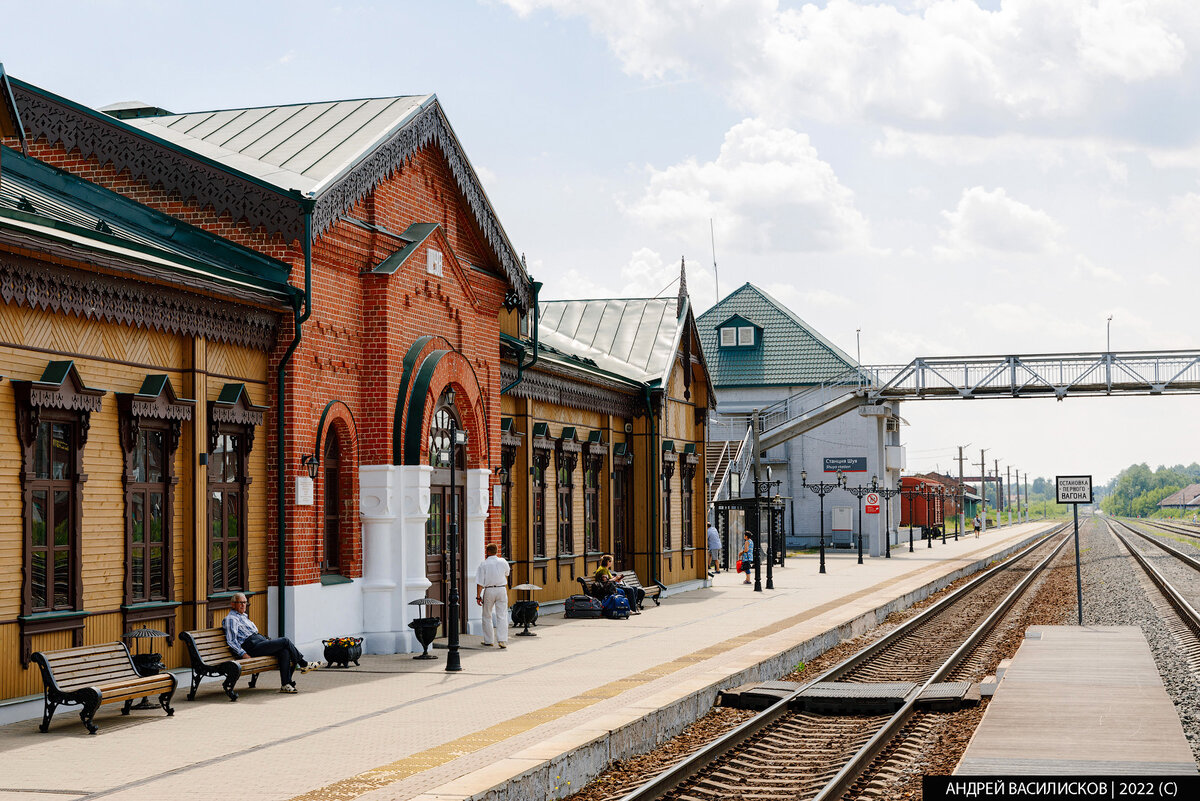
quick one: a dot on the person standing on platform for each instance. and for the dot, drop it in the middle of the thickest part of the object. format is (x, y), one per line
(747, 554)
(714, 549)
(491, 592)
(977, 525)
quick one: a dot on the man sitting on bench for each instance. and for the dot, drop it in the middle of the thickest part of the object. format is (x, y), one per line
(244, 640)
(608, 583)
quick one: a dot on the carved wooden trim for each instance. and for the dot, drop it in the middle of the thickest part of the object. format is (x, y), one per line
(47, 287)
(567, 389)
(155, 163)
(429, 125)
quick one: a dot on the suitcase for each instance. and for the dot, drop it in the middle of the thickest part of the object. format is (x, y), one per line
(616, 606)
(582, 606)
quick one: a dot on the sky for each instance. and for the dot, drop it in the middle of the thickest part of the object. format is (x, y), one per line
(913, 178)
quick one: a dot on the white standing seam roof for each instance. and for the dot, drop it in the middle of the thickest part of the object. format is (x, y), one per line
(634, 339)
(302, 146)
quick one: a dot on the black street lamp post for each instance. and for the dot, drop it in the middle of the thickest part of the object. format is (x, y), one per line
(458, 438)
(941, 496)
(860, 492)
(762, 488)
(822, 489)
(888, 494)
(927, 497)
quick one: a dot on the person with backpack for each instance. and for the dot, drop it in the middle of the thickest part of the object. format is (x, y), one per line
(977, 525)
(607, 583)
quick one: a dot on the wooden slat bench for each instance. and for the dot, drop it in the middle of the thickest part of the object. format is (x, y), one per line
(629, 579)
(211, 656)
(95, 675)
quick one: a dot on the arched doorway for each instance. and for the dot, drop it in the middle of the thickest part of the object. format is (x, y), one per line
(443, 503)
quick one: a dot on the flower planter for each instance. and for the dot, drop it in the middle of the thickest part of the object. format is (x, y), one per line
(341, 651)
(425, 629)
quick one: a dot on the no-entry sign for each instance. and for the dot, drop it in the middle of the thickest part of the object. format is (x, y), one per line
(872, 501)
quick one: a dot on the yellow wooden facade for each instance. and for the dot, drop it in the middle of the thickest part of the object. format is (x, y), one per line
(679, 419)
(117, 358)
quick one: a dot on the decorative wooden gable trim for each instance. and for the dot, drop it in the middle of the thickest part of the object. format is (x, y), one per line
(541, 437)
(622, 454)
(509, 436)
(154, 161)
(566, 389)
(595, 445)
(156, 400)
(233, 407)
(429, 125)
(60, 387)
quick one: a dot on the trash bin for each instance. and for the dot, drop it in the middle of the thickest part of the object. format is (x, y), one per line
(148, 664)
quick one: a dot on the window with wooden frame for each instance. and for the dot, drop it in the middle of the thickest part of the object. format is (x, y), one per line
(541, 462)
(232, 420)
(687, 473)
(565, 461)
(151, 425)
(53, 418)
(591, 503)
(332, 505)
(508, 457)
(668, 471)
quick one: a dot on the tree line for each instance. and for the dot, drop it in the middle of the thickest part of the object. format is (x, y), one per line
(1136, 490)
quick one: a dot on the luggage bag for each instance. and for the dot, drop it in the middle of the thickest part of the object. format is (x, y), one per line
(616, 606)
(582, 606)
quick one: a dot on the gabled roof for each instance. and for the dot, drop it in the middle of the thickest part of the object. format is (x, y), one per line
(262, 164)
(39, 200)
(633, 338)
(1189, 497)
(792, 352)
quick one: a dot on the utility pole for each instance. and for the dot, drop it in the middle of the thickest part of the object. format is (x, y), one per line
(962, 494)
(1026, 496)
(1007, 490)
(999, 490)
(983, 489)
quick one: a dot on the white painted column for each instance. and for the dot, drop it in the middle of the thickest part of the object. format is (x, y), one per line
(478, 504)
(409, 561)
(378, 508)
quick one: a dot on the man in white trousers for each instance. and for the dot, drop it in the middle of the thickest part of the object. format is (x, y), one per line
(491, 592)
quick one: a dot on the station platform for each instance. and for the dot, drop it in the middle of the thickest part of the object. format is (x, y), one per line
(537, 720)
(1080, 701)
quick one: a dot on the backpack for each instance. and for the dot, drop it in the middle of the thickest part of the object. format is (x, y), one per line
(616, 606)
(581, 606)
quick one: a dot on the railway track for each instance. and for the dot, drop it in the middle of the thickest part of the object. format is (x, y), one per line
(788, 751)
(1175, 605)
(1172, 528)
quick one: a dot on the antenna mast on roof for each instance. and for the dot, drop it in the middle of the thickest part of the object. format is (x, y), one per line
(716, 280)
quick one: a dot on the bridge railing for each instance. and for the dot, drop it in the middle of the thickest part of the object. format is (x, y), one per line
(1050, 375)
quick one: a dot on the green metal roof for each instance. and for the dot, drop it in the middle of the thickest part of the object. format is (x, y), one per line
(64, 205)
(414, 236)
(791, 353)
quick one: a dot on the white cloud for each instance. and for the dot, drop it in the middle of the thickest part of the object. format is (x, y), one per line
(1072, 62)
(993, 221)
(767, 189)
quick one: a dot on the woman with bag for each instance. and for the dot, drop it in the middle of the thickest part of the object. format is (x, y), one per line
(746, 557)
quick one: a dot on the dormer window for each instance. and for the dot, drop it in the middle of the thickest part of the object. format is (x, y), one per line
(738, 332)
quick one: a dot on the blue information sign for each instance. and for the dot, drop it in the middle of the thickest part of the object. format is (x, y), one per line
(847, 464)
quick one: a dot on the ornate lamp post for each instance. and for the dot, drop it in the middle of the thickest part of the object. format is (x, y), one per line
(927, 497)
(888, 494)
(762, 488)
(859, 492)
(941, 500)
(822, 489)
(447, 457)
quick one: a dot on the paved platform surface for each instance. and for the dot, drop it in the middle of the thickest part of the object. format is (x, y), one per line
(1080, 701)
(550, 710)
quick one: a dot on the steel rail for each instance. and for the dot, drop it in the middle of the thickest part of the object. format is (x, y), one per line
(1186, 611)
(841, 782)
(670, 779)
(1172, 528)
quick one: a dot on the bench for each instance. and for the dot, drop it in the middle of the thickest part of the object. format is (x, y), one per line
(629, 579)
(95, 675)
(210, 655)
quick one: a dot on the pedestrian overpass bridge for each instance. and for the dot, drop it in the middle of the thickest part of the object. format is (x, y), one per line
(868, 387)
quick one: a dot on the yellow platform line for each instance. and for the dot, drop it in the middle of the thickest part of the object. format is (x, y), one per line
(377, 778)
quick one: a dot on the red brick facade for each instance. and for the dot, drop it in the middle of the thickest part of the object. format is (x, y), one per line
(353, 345)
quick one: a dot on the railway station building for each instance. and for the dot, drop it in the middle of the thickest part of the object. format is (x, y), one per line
(234, 345)
(763, 356)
